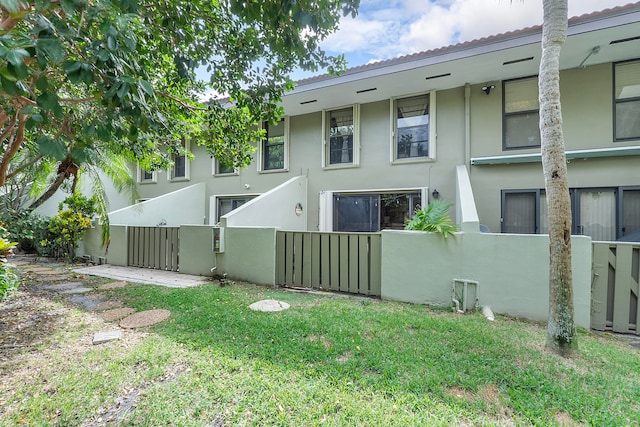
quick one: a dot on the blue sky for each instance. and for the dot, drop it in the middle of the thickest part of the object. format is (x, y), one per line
(386, 29)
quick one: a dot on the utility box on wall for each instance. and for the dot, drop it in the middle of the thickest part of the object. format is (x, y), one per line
(218, 239)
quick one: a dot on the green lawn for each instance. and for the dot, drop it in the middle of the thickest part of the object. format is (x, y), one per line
(331, 361)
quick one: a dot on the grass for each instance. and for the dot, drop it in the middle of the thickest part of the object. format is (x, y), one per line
(326, 361)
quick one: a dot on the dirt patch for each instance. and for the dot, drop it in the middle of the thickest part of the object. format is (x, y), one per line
(145, 318)
(112, 285)
(116, 313)
(325, 342)
(565, 420)
(107, 305)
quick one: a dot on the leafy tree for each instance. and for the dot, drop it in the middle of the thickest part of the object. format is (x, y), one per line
(561, 331)
(82, 79)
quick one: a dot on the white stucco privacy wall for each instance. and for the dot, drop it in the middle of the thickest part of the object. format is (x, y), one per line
(282, 207)
(512, 271)
(184, 206)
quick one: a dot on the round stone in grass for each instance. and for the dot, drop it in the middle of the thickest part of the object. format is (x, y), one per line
(269, 305)
(144, 318)
(116, 313)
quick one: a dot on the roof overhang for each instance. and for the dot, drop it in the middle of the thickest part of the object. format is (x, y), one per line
(570, 155)
(480, 61)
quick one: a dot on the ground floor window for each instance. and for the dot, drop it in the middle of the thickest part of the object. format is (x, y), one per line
(227, 204)
(607, 214)
(371, 212)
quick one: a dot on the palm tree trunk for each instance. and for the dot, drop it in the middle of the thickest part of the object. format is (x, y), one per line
(561, 331)
(50, 192)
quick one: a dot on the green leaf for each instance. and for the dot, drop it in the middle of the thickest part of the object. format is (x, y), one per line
(7, 75)
(42, 84)
(48, 101)
(146, 86)
(42, 4)
(52, 47)
(9, 86)
(71, 66)
(19, 71)
(16, 56)
(48, 146)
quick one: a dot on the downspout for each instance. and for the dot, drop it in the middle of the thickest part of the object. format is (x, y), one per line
(467, 127)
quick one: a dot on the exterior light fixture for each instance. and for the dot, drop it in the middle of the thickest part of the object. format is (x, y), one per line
(435, 194)
(487, 88)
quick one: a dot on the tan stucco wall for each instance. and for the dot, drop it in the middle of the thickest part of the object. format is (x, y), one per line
(512, 271)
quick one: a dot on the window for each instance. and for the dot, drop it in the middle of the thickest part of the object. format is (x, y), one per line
(273, 150)
(220, 168)
(520, 212)
(605, 214)
(627, 100)
(180, 169)
(411, 133)
(371, 212)
(341, 137)
(146, 177)
(521, 117)
(227, 204)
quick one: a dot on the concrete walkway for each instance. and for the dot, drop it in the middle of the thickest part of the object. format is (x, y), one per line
(169, 279)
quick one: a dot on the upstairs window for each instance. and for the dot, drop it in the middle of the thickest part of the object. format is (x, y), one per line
(411, 128)
(220, 168)
(146, 177)
(341, 137)
(273, 148)
(180, 168)
(627, 100)
(521, 128)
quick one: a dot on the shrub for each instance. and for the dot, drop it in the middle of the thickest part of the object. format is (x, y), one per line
(8, 278)
(69, 225)
(28, 229)
(434, 219)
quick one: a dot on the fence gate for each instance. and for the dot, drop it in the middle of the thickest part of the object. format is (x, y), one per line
(153, 247)
(614, 289)
(346, 262)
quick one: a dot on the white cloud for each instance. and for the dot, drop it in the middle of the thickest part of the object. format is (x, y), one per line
(385, 29)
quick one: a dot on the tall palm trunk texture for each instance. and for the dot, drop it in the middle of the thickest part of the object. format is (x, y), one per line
(561, 331)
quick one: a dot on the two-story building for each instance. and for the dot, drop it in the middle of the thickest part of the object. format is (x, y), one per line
(382, 139)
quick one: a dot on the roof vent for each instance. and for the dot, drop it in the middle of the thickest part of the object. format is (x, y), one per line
(371, 89)
(629, 39)
(515, 61)
(308, 102)
(437, 76)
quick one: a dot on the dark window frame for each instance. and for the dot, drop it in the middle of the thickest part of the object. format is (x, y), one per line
(623, 101)
(267, 146)
(505, 115)
(503, 196)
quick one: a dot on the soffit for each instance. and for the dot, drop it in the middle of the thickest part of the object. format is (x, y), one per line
(475, 62)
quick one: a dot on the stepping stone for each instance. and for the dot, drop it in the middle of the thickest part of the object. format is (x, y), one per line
(116, 313)
(269, 305)
(144, 318)
(103, 337)
(63, 286)
(89, 302)
(78, 290)
(113, 285)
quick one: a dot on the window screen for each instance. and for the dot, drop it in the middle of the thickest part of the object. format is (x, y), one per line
(521, 114)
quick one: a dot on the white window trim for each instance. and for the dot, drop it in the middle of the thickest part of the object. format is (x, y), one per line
(325, 215)
(432, 130)
(187, 166)
(214, 169)
(140, 175)
(356, 139)
(213, 204)
(259, 153)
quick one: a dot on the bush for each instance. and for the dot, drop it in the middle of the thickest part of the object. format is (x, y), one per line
(69, 225)
(434, 219)
(8, 278)
(28, 229)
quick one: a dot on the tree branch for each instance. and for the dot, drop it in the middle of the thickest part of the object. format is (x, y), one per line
(23, 167)
(181, 102)
(13, 145)
(50, 192)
